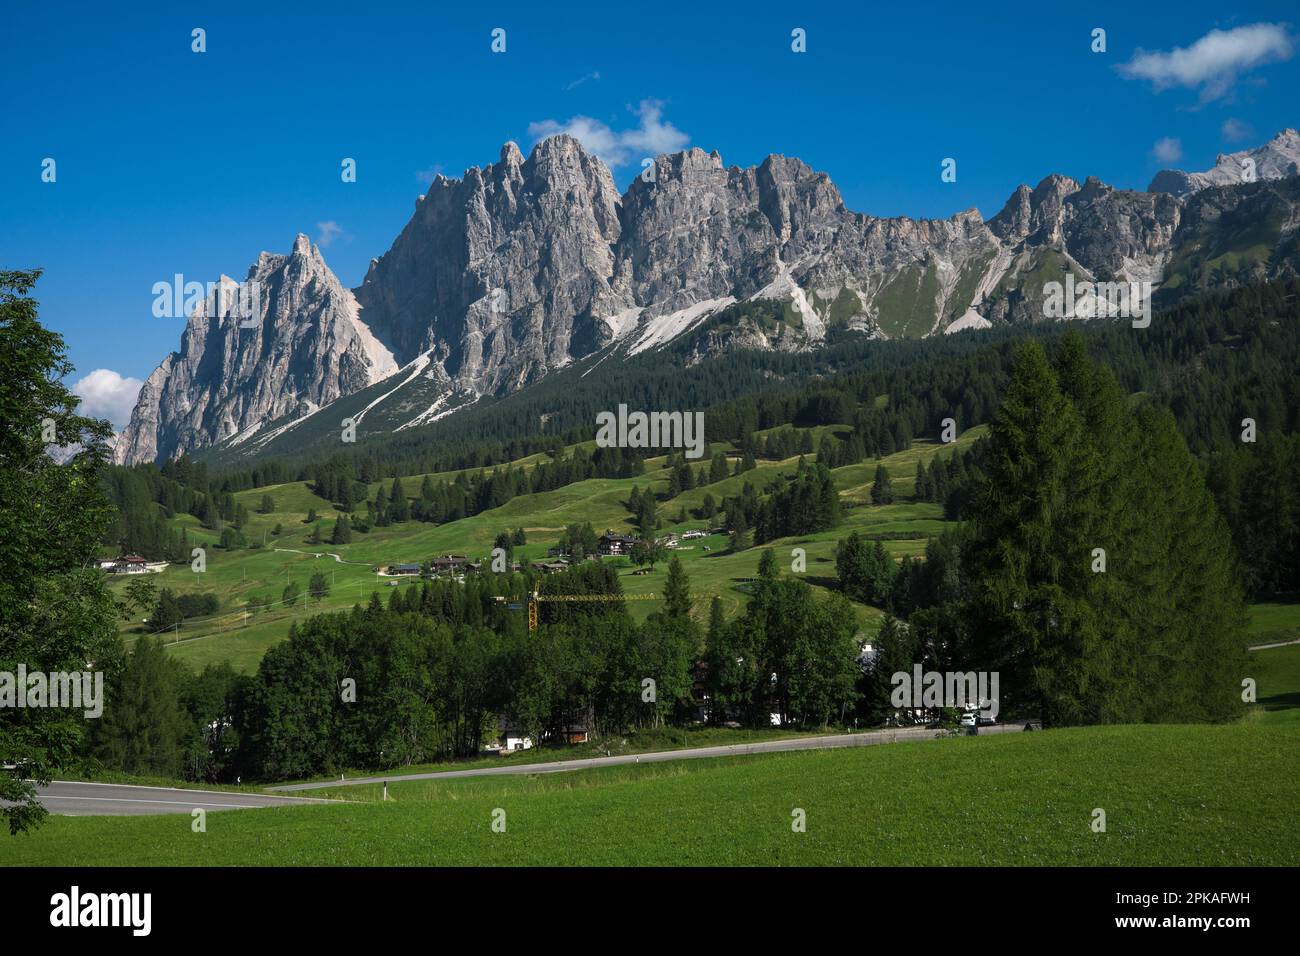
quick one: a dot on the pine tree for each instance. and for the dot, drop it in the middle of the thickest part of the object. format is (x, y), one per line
(140, 731)
(739, 531)
(677, 590)
(342, 531)
(1015, 563)
(882, 491)
(399, 509)
(718, 468)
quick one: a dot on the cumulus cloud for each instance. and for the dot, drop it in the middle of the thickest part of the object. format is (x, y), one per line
(1168, 149)
(1214, 62)
(651, 136)
(106, 394)
(1234, 130)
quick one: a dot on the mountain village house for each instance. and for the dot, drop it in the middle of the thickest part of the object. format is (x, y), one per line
(611, 543)
(132, 564)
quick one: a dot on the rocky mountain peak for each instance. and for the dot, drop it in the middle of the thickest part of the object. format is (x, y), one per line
(510, 154)
(1279, 158)
(530, 263)
(303, 346)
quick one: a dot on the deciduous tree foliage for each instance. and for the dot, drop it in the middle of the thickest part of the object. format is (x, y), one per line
(55, 613)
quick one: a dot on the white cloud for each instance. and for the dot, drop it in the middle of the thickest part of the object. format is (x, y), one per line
(1168, 149)
(582, 79)
(329, 231)
(105, 394)
(427, 176)
(1213, 62)
(650, 137)
(1234, 130)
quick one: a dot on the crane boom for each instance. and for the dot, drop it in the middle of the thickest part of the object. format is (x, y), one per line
(594, 597)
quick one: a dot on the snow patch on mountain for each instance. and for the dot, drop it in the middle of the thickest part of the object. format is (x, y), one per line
(664, 329)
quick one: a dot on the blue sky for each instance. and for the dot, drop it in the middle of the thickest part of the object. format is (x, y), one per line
(173, 161)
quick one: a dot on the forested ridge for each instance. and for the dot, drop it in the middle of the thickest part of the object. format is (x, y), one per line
(1212, 361)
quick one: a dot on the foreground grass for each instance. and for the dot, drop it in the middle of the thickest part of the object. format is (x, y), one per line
(1173, 795)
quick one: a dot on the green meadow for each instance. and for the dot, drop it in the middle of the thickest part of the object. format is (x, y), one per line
(1172, 795)
(259, 575)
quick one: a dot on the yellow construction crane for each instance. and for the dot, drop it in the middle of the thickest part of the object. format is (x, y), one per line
(536, 597)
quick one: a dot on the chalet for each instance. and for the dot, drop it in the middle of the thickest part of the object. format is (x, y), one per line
(611, 543)
(692, 535)
(403, 570)
(450, 562)
(130, 564)
(551, 567)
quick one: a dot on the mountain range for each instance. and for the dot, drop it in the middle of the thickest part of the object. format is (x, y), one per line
(529, 265)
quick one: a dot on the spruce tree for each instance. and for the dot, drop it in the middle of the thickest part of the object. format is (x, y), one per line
(882, 489)
(1015, 565)
(677, 590)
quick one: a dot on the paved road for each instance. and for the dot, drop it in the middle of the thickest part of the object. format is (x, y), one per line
(75, 799)
(1265, 647)
(867, 739)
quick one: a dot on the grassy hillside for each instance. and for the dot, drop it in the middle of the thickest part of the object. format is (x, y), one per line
(1173, 795)
(259, 575)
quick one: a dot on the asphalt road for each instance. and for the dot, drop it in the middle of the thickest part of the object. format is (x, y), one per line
(866, 739)
(74, 799)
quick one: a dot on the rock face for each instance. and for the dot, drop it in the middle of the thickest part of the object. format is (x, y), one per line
(1279, 158)
(502, 274)
(304, 347)
(526, 265)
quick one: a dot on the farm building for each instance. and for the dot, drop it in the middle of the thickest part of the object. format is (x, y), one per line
(450, 562)
(403, 570)
(132, 564)
(513, 739)
(612, 543)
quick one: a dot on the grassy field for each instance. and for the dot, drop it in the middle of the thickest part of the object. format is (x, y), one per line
(1276, 672)
(1273, 621)
(1173, 795)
